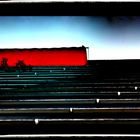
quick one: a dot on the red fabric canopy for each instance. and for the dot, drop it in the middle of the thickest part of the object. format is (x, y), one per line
(74, 56)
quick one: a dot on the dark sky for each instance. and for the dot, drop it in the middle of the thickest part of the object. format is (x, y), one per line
(106, 37)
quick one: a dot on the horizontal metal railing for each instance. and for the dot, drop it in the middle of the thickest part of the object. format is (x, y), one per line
(85, 95)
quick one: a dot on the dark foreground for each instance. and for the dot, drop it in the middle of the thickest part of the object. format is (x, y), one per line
(100, 98)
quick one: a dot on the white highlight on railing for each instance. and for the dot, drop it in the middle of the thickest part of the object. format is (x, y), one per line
(70, 109)
(36, 121)
(119, 93)
(97, 100)
(136, 88)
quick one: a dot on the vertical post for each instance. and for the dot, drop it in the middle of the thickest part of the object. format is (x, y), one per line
(87, 50)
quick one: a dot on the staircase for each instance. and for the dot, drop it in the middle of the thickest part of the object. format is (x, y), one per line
(100, 98)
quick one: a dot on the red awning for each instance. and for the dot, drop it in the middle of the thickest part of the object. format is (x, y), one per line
(74, 56)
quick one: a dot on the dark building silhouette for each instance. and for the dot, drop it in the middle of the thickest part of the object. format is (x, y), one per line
(4, 63)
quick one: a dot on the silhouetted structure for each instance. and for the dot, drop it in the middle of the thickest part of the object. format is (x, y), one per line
(20, 65)
(4, 63)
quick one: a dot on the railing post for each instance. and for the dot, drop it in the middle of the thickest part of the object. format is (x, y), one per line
(87, 50)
